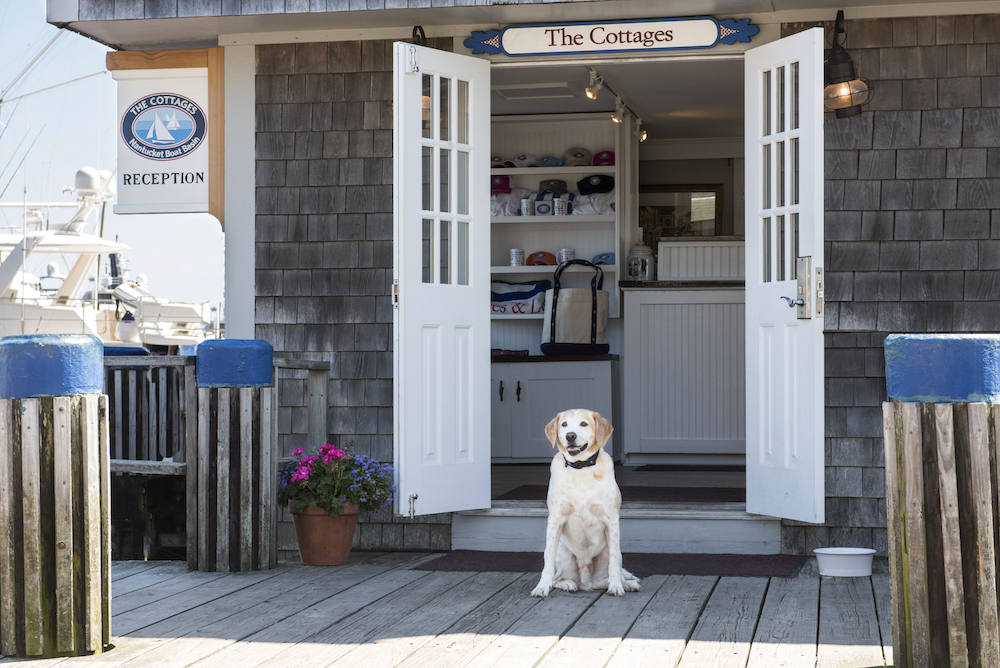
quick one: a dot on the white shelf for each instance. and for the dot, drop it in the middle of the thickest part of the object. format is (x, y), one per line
(542, 171)
(547, 269)
(534, 220)
(517, 316)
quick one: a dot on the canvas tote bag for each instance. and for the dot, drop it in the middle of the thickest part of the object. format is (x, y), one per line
(575, 318)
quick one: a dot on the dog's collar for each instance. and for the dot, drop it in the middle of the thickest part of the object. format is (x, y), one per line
(583, 463)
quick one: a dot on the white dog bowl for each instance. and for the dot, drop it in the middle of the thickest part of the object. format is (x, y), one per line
(849, 562)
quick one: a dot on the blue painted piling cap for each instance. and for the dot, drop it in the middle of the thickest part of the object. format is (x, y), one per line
(124, 350)
(235, 363)
(943, 368)
(51, 365)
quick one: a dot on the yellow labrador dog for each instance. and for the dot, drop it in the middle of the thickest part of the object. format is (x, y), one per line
(582, 548)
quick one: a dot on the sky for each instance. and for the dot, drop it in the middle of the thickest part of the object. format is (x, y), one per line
(73, 126)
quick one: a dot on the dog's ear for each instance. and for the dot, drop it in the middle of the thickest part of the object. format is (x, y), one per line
(552, 429)
(603, 428)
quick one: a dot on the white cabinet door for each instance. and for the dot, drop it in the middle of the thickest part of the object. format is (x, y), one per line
(540, 390)
(500, 402)
(441, 253)
(784, 222)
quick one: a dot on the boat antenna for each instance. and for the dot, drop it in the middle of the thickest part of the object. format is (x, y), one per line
(23, 157)
(34, 60)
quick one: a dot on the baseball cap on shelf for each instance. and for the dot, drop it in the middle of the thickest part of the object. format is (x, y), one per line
(604, 158)
(540, 258)
(500, 184)
(553, 186)
(604, 258)
(550, 161)
(577, 157)
(526, 160)
(598, 183)
(497, 161)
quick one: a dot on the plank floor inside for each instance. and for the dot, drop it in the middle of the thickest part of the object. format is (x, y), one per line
(379, 612)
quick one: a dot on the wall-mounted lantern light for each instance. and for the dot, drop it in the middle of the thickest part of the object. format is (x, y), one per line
(845, 92)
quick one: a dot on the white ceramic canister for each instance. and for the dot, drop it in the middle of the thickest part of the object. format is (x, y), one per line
(566, 254)
(640, 265)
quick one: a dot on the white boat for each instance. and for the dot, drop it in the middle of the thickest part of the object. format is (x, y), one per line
(53, 305)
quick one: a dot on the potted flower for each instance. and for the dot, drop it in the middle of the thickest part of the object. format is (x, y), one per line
(325, 493)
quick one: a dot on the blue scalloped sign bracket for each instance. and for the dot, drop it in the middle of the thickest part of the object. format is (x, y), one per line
(484, 42)
(732, 31)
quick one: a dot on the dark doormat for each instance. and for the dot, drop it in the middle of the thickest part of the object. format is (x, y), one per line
(641, 564)
(735, 468)
(636, 494)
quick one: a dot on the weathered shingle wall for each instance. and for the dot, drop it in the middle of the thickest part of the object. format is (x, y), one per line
(324, 249)
(912, 235)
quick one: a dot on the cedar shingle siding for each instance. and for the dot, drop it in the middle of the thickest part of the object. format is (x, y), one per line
(912, 238)
(324, 250)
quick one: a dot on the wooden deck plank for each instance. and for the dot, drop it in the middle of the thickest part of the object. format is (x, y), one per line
(400, 640)
(789, 621)
(661, 632)
(596, 635)
(262, 647)
(848, 629)
(527, 641)
(370, 623)
(126, 569)
(475, 631)
(129, 622)
(725, 629)
(148, 578)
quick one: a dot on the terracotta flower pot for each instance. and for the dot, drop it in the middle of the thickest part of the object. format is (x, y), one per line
(324, 540)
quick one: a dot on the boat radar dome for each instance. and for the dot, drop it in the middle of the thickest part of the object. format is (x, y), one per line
(88, 182)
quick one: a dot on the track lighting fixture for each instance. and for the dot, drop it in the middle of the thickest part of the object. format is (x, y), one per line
(619, 114)
(639, 132)
(594, 87)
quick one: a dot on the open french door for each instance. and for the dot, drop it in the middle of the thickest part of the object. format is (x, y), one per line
(784, 277)
(441, 265)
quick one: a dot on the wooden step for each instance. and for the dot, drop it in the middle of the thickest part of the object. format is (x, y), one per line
(519, 526)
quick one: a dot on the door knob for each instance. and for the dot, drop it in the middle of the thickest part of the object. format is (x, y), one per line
(792, 303)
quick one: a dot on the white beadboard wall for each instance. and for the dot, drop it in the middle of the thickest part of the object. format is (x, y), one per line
(693, 379)
(696, 259)
(527, 335)
(550, 137)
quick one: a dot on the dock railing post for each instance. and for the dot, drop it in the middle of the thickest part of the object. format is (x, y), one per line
(55, 497)
(941, 435)
(236, 456)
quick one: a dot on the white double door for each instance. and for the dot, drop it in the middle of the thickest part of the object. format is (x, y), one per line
(441, 275)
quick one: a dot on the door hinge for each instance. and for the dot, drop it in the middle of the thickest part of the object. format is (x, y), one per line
(413, 497)
(395, 294)
(411, 67)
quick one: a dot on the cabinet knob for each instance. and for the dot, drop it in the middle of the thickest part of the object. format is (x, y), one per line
(501, 390)
(518, 390)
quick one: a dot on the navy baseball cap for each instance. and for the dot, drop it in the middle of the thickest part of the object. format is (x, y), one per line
(604, 258)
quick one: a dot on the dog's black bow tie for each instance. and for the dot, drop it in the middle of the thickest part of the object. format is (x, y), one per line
(584, 463)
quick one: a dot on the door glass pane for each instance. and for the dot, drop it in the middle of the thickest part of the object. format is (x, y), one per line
(445, 252)
(462, 174)
(795, 170)
(780, 150)
(425, 100)
(462, 253)
(463, 112)
(795, 95)
(767, 250)
(766, 169)
(766, 94)
(427, 176)
(781, 248)
(428, 249)
(795, 245)
(781, 99)
(444, 111)
(445, 180)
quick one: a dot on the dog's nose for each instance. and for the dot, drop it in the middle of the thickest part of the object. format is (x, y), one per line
(571, 437)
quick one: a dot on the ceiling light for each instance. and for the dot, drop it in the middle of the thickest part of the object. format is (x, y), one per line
(845, 92)
(619, 114)
(639, 132)
(594, 87)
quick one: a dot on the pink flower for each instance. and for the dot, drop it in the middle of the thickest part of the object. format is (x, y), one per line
(301, 473)
(310, 460)
(297, 452)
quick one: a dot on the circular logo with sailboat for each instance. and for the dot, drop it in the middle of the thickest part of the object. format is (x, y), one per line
(163, 126)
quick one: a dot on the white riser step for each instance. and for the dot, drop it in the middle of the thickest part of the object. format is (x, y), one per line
(685, 530)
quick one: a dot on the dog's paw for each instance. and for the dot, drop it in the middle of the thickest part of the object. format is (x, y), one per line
(616, 589)
(566, 585)
(541, 591)
(632, 585)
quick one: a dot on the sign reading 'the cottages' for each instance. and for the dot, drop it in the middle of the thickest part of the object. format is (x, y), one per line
(701, 32)
(162, 129)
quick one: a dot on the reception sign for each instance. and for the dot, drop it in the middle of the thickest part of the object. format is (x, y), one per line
(701, 32)
(162, 140)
